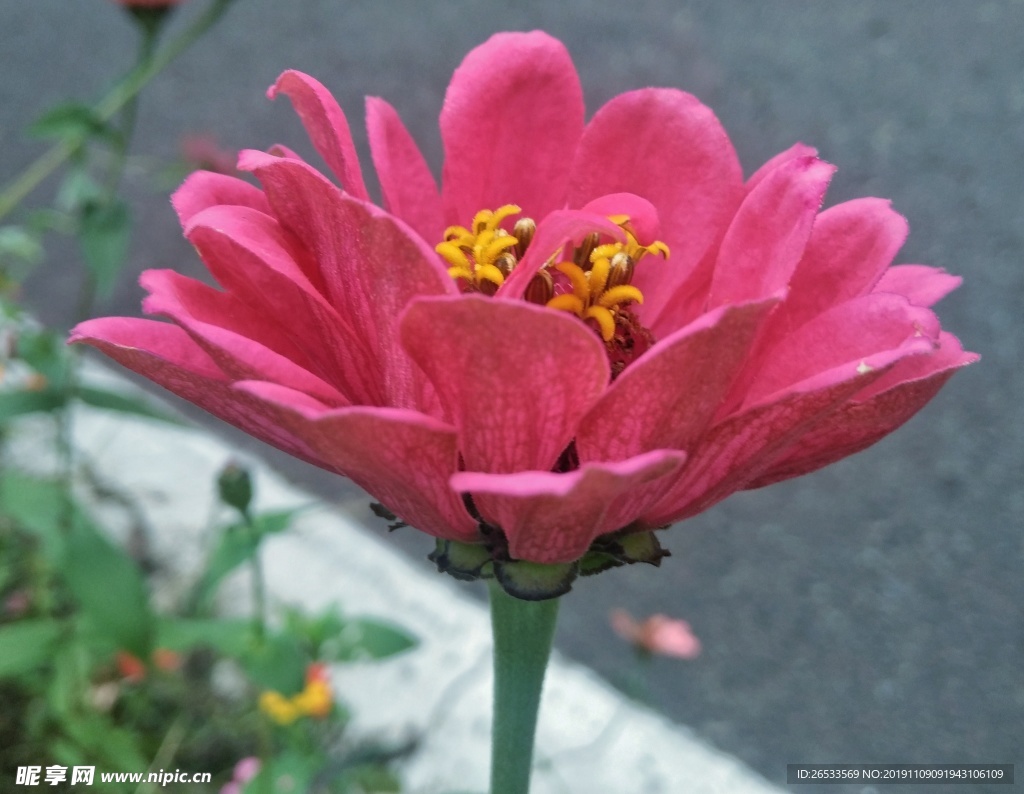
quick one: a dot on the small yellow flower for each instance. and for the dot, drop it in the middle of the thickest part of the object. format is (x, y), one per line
(315, 699)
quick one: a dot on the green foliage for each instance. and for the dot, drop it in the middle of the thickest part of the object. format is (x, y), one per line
(110, 592)
(26, 645)
(236, 544)
(90, 673)
(73, 122)
(104, 235)
(331, 637)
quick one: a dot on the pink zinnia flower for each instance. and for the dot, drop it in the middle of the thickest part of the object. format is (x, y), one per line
(591, 330)
(658, 634)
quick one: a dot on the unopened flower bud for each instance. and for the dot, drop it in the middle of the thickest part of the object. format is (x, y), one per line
(235, 487)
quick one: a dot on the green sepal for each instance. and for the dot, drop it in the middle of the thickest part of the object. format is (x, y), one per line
(465, 561)
(642, 547)
(595, 562)
(532, 581)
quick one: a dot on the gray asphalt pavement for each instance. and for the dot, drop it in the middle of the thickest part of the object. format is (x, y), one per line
(871, 612)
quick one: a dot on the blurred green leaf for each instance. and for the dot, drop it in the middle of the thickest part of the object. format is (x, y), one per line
(18, 244)
(72, 122)
(78, 190)
(26, 645)
(367, 639)
(110, 591)
(236, 545)
(104, 234)
(66, 688)
(44, 351)
(123, 403)
(278, 663)
(371, 777)
(111, 746)
(287, 771)
(230, 637)
(19, 403)
(37, 506)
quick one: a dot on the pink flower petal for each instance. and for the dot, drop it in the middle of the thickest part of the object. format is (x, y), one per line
(741, 448)
(243, 344)
(205, 189)
(327, 127)
(850, 332)
(797, 150)
(166, 355)
(667, 147)
(643, 216)
(920, 284)
(872, 413)
(554, 517)
(250, 255)
(408, 187)
(515, 378)
(372, 266)
(850, 247)
(649, 406)
(769, 233)
(511, 120)
(400, 457)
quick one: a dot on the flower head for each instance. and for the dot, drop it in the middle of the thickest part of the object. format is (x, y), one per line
(590, 331)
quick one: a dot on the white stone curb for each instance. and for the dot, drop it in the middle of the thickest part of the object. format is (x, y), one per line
(591, 739)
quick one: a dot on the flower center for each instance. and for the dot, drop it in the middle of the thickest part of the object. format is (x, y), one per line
(593, 281)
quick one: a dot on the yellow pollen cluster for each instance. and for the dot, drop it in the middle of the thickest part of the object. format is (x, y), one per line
(484, 254)
(600, 277)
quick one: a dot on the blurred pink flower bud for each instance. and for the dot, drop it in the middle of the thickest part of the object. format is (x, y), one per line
(247, 768)
(202, 151)
(658, 634)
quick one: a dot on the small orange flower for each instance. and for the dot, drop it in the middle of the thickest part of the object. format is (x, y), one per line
(167, 660)
(130, 666)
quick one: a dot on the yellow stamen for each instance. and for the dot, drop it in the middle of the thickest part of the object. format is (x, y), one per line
(484, 254)
(604, 319)
(624, 293)
(496, 247)
(461, 272)
(453, 255)
(577, 277)
(489, 273)
(566, 302)
(599, 275)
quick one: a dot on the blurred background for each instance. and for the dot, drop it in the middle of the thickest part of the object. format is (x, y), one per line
(868, 613)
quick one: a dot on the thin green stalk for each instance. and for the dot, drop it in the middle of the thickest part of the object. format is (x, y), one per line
(147, 48)
(523, 633)
(109, 106)
(259, 587)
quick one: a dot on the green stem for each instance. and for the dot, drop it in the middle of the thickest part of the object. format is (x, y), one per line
(523, 632)
(259, 587)
(108, 107)
(129, 114)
